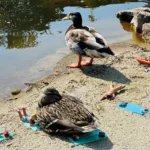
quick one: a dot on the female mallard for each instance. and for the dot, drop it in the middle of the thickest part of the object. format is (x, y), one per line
(85, 41)
(64, 114)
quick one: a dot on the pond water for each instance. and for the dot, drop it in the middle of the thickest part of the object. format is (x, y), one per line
(32, 34)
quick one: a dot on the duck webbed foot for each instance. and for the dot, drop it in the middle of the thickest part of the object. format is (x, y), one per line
(87, 63)
(74, 65)
(81, 63)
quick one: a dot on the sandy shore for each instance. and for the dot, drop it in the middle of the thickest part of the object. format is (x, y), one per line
(126, 131)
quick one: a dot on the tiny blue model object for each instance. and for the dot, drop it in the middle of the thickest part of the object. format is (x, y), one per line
(89, 137)
(133, 108)
(26, 123)
(36, 127)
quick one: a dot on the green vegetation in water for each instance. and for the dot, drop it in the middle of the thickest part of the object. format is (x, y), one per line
(15, 92)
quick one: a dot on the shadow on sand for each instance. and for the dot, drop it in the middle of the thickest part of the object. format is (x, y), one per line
(105, 73)
(97, 145)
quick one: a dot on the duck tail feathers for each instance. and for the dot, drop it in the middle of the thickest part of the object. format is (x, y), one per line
(106, 50)
(91, 127)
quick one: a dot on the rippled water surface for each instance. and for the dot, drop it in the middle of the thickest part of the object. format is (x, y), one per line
(32, 34)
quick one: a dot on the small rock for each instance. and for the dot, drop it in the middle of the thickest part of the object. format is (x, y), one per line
(9, 144)
(146, 31)
(15, 92)
(139, 19)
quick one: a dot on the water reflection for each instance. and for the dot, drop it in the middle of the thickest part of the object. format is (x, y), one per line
(91, 16)
(136, 37)
(21, 39)
(96, 3)
(22, 20)
(32, 30)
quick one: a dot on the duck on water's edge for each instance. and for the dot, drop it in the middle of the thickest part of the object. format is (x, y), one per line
(85, 41)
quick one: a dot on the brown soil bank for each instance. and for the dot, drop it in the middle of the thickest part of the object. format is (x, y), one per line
(124, 129)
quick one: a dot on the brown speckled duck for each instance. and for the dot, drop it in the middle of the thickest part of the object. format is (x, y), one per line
(85, 41)
(64, 114)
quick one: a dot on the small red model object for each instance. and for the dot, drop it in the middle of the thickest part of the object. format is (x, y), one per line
(143, 61)
(5, 133)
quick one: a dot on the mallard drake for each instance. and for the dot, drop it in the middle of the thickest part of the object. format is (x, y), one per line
(64, 114)
(85, 41)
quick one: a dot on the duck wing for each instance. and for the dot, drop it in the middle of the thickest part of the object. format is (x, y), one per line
(78, 101)
(66, 116)
(73, 99)
(99, 38)
(50, 123)
(88, 43)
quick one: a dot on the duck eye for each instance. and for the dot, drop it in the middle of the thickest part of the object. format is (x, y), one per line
(72, 13)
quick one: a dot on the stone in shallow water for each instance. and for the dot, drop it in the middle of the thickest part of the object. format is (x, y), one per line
(127, 15)
(146, 31)
(139, 19)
